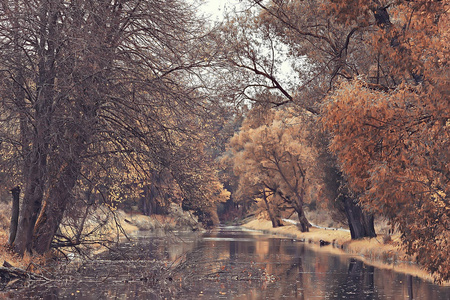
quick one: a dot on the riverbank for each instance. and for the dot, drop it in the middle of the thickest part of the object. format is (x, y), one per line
(381, 252)
(116, 228)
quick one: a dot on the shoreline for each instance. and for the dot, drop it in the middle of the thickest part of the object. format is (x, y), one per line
(372, 251)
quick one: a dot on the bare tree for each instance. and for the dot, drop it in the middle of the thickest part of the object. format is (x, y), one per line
(95, 79)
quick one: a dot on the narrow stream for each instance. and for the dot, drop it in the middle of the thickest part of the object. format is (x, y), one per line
(227, 263)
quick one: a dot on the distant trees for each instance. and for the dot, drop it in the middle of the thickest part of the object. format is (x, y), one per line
(271, 34)
(91, 86)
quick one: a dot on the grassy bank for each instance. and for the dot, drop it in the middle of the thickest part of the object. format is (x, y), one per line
(382, 251)
(107, 234)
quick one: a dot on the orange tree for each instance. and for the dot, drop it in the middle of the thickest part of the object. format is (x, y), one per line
(392, 137)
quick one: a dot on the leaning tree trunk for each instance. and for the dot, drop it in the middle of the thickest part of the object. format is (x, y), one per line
(59, 194)
(354, 218)
(52, 211)
(276, 222)
(360, 224)
(303, 224)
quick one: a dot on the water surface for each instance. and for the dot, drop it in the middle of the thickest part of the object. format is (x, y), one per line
(249, 265)
(226, 263)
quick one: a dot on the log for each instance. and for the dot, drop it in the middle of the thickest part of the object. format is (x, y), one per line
(9, 273)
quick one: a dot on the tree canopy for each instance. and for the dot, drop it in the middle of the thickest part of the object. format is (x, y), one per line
(92, 85)
(272, 156)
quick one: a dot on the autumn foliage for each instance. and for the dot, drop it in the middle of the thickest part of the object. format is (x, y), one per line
(392, 138)
(274, 161)
(104, 100)
(394, 149)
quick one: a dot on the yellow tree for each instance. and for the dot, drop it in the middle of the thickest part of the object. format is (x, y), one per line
(273, 157)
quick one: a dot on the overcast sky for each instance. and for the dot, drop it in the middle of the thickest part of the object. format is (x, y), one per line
(216, 8)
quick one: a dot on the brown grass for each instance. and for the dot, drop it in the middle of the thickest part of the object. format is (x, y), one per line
(27, 262)
(6, 254)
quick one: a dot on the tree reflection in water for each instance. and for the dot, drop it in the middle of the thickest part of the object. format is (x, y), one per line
(232, 264)
(359, 283)
(228, 263)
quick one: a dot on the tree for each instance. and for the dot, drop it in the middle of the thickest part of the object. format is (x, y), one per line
(321, 50)
(393, 148)
(273, 155)
(89, 80)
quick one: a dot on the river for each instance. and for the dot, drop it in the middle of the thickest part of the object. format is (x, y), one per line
(226, 263)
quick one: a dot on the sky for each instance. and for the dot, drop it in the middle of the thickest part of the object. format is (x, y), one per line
(216, 8)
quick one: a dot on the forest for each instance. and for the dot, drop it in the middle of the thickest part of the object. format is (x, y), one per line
(140, 105)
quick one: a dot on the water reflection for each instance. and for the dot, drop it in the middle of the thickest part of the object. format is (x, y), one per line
(359, 282)
(245, 265)
(228, 263)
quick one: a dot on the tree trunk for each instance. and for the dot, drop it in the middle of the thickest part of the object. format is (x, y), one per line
(35, 169)
(360, 225)
(32, 200)
(52, 211)
(19, 94)
(14, 215)
(369, 225)
(145, 204)
(276, 222)
(148, 202)
(303, 224)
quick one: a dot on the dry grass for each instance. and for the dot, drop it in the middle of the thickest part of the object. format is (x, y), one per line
(338, 237)
(322, 218)
(25, 262)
